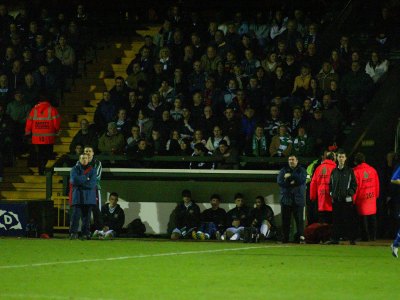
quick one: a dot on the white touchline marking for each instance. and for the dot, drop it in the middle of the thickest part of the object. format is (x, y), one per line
(68, 262)
(40, 296)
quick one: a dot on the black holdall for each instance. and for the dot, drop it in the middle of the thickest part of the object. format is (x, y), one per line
(250, 235)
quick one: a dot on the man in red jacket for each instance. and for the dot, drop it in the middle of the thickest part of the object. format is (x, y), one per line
(43, 123)
(365, 197)
(319, 188)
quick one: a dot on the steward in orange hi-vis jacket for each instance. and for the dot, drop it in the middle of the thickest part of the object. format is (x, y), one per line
(319, 188)
(44, 124)
(365, 197)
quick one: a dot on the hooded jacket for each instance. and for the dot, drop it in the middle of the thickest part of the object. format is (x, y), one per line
(43, 123)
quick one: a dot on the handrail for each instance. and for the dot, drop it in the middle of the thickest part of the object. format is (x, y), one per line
(397, 137)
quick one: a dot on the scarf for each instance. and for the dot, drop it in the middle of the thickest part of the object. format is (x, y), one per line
(284, 143)
(299, 142)
(259, 146)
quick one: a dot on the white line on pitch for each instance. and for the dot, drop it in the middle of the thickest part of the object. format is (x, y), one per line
(53, 297)
(68, 262)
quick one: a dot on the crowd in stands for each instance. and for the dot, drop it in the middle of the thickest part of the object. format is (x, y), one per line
(259, 84)
(256, 86)
(39, 55)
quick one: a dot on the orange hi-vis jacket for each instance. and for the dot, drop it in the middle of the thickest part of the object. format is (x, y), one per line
(367, 189)
(319, 187)
(44, 123)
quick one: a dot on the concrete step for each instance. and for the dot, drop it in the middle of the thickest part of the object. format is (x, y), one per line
(61, 148)
(27, 186)
(87, 116)
(64, 139)
(36, 179)
(23, 195)
(126, 61)
(68, 132)
(19, 171)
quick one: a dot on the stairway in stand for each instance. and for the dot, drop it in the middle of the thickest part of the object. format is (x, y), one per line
(24, 183)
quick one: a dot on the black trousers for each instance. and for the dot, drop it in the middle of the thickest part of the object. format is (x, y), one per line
(325, 217)
(287, 212)
(42, 153)
(343, 217)
(368, 227)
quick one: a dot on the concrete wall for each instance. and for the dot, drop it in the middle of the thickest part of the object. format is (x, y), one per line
(153, 201)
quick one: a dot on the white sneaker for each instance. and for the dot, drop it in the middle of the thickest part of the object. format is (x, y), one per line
(235, 237)
(395, 251)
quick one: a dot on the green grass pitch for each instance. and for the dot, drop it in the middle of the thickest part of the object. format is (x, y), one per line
(146, 269)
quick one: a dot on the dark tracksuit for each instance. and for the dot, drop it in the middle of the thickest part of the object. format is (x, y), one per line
(114, 220)
(342, 186)
(188, 217)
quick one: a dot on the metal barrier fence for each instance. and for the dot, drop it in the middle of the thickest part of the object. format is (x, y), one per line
(61, 203)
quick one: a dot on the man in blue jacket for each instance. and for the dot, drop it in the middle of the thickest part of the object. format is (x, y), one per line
(292, 182)
(83, 181)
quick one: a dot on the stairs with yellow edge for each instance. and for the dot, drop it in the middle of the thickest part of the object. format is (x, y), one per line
(24, 183)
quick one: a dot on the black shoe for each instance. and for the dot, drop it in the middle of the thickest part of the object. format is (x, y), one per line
(332, 242)
(85, 237)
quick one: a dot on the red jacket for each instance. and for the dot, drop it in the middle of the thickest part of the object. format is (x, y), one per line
(367, 189)
(44, 123)
(319, 187)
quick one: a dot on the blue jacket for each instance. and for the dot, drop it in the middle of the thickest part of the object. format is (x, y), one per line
(293, 189)
(83, 185)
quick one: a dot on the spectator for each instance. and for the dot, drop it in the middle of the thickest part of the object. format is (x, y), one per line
(258, 145)
(228, 157)
(123, 123)
(134, 106)
(5, 91)
(319, 129)
(111, 142)
(201, 151)
(135, 76)
(30, 90)
(105, 113)
(376, 67)
(303, 145)
(213, 141)
(325, 76)
(6, 139)
(356, 87)
(133, 139)
(85, 136)
(210, 60)
(281, 144)
(119, 94)
(187, 217)
(113, 218)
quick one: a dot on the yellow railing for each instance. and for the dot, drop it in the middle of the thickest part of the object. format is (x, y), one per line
(62, 205)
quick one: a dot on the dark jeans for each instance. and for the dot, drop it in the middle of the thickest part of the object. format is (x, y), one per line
(287, 212)
(344, 224)
(368, 227)
(81, 211)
